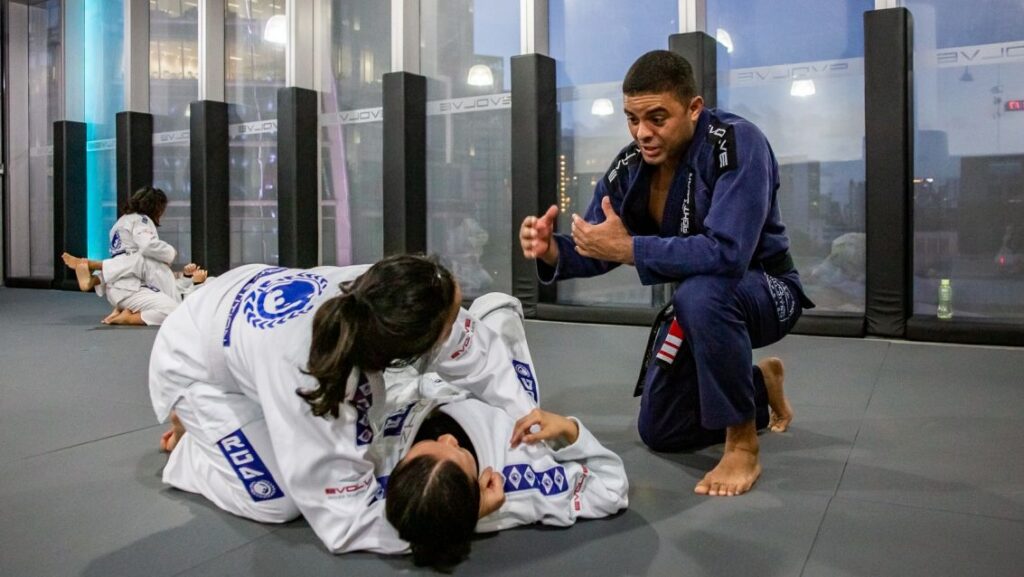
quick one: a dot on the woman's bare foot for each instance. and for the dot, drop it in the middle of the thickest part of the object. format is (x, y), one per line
(86, 281)
(171, 436)
(127, 317)
(781, 411)
(71, 261)
(739, 468)
(114, 313)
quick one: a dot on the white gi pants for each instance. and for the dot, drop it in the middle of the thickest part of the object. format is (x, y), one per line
(212, 465)
(153, 306)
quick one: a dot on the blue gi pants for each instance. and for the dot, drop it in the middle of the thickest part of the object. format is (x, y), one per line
(711, 384)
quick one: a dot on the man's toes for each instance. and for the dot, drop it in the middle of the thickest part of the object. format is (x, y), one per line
(702, 487)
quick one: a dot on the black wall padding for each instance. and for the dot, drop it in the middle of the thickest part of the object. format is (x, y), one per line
(701, 51)
(69, 199)
(929, 328)
(208, 154)
(405, 163)
(297, 193)
(889, 113)
(534, 163)
(134, 154)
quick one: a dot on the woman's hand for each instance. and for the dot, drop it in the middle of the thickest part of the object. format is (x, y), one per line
(540, 425)
(492, 492)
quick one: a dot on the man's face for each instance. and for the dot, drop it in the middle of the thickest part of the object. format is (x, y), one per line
(661, 125)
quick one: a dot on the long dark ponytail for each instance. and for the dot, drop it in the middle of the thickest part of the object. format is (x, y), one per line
(389, 316)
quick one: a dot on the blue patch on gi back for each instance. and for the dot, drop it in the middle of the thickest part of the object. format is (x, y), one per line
(363, 400)
(240, 295)
(393, 424)
(526, 378)
(279, 300)
(249, 468)
(523, 478)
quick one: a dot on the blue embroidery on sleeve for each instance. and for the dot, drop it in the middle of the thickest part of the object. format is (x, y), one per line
(523, 478)
(526, 378)
(382, 489)
(249, 468)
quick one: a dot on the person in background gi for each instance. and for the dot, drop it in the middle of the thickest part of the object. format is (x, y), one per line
(273, 381)
(692, 200)
(447, 485)
(137, 279)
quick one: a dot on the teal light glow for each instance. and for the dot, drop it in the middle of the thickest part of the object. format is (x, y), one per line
(100, 62)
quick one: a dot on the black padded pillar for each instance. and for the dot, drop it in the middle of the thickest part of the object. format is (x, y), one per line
(889, 166)
(534, 163)
(208, 155)
(701, 51)
(134, 154)
(297, 202)
(405, 163)
(69, 199)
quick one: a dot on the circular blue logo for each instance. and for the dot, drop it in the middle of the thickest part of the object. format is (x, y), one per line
(262, 489)
(278, 300)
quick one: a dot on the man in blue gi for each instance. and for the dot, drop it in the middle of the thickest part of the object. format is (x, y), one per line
(692, 200)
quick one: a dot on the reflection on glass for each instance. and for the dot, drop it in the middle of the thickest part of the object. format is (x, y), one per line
(352, 149)
(969, 158)
(33, 96)
(796, 70)
(254, 70)
(590, 68)
(465, 54)
(173, 84)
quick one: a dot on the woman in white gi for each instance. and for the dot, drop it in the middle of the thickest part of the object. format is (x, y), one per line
(137, 279)
(275, 380)
(447, 486)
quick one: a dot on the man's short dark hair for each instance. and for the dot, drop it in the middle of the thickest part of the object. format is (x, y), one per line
(661, 71)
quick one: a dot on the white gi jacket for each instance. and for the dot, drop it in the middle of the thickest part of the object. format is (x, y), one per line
(248, 335)
(548, 482)
(138, 257)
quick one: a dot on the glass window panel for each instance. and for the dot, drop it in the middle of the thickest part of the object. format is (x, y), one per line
(351, 154)
(796, 70)
(969, 158)
(255, 35)
(590, 67)
(94, 50)
(465, 51)
(34, 93)
(173, 84)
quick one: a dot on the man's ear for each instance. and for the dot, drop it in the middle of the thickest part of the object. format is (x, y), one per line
(696, 105)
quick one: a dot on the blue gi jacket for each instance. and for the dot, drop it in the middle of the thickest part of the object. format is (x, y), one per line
(721, 216)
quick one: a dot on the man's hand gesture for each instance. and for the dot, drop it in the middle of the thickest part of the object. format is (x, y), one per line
(608, 240)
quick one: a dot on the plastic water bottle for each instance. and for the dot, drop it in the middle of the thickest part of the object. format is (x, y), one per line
(945, 308)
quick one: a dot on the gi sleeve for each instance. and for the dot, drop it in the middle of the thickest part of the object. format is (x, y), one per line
(601, 489)
(150, 245)
(739, 208)
(323, 461)
(475, 358)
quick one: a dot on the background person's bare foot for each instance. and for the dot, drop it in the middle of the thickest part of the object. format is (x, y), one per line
(111, 316)
(781, 411)
(71, 261)
(84, 275)
(127, 317)
(171, 436)
(739, 468)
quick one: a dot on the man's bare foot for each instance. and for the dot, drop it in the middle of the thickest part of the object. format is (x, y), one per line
(171, 436)
(71, 261)
(85, 279)
(113, 314)
(739, 468)
(781, 411)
